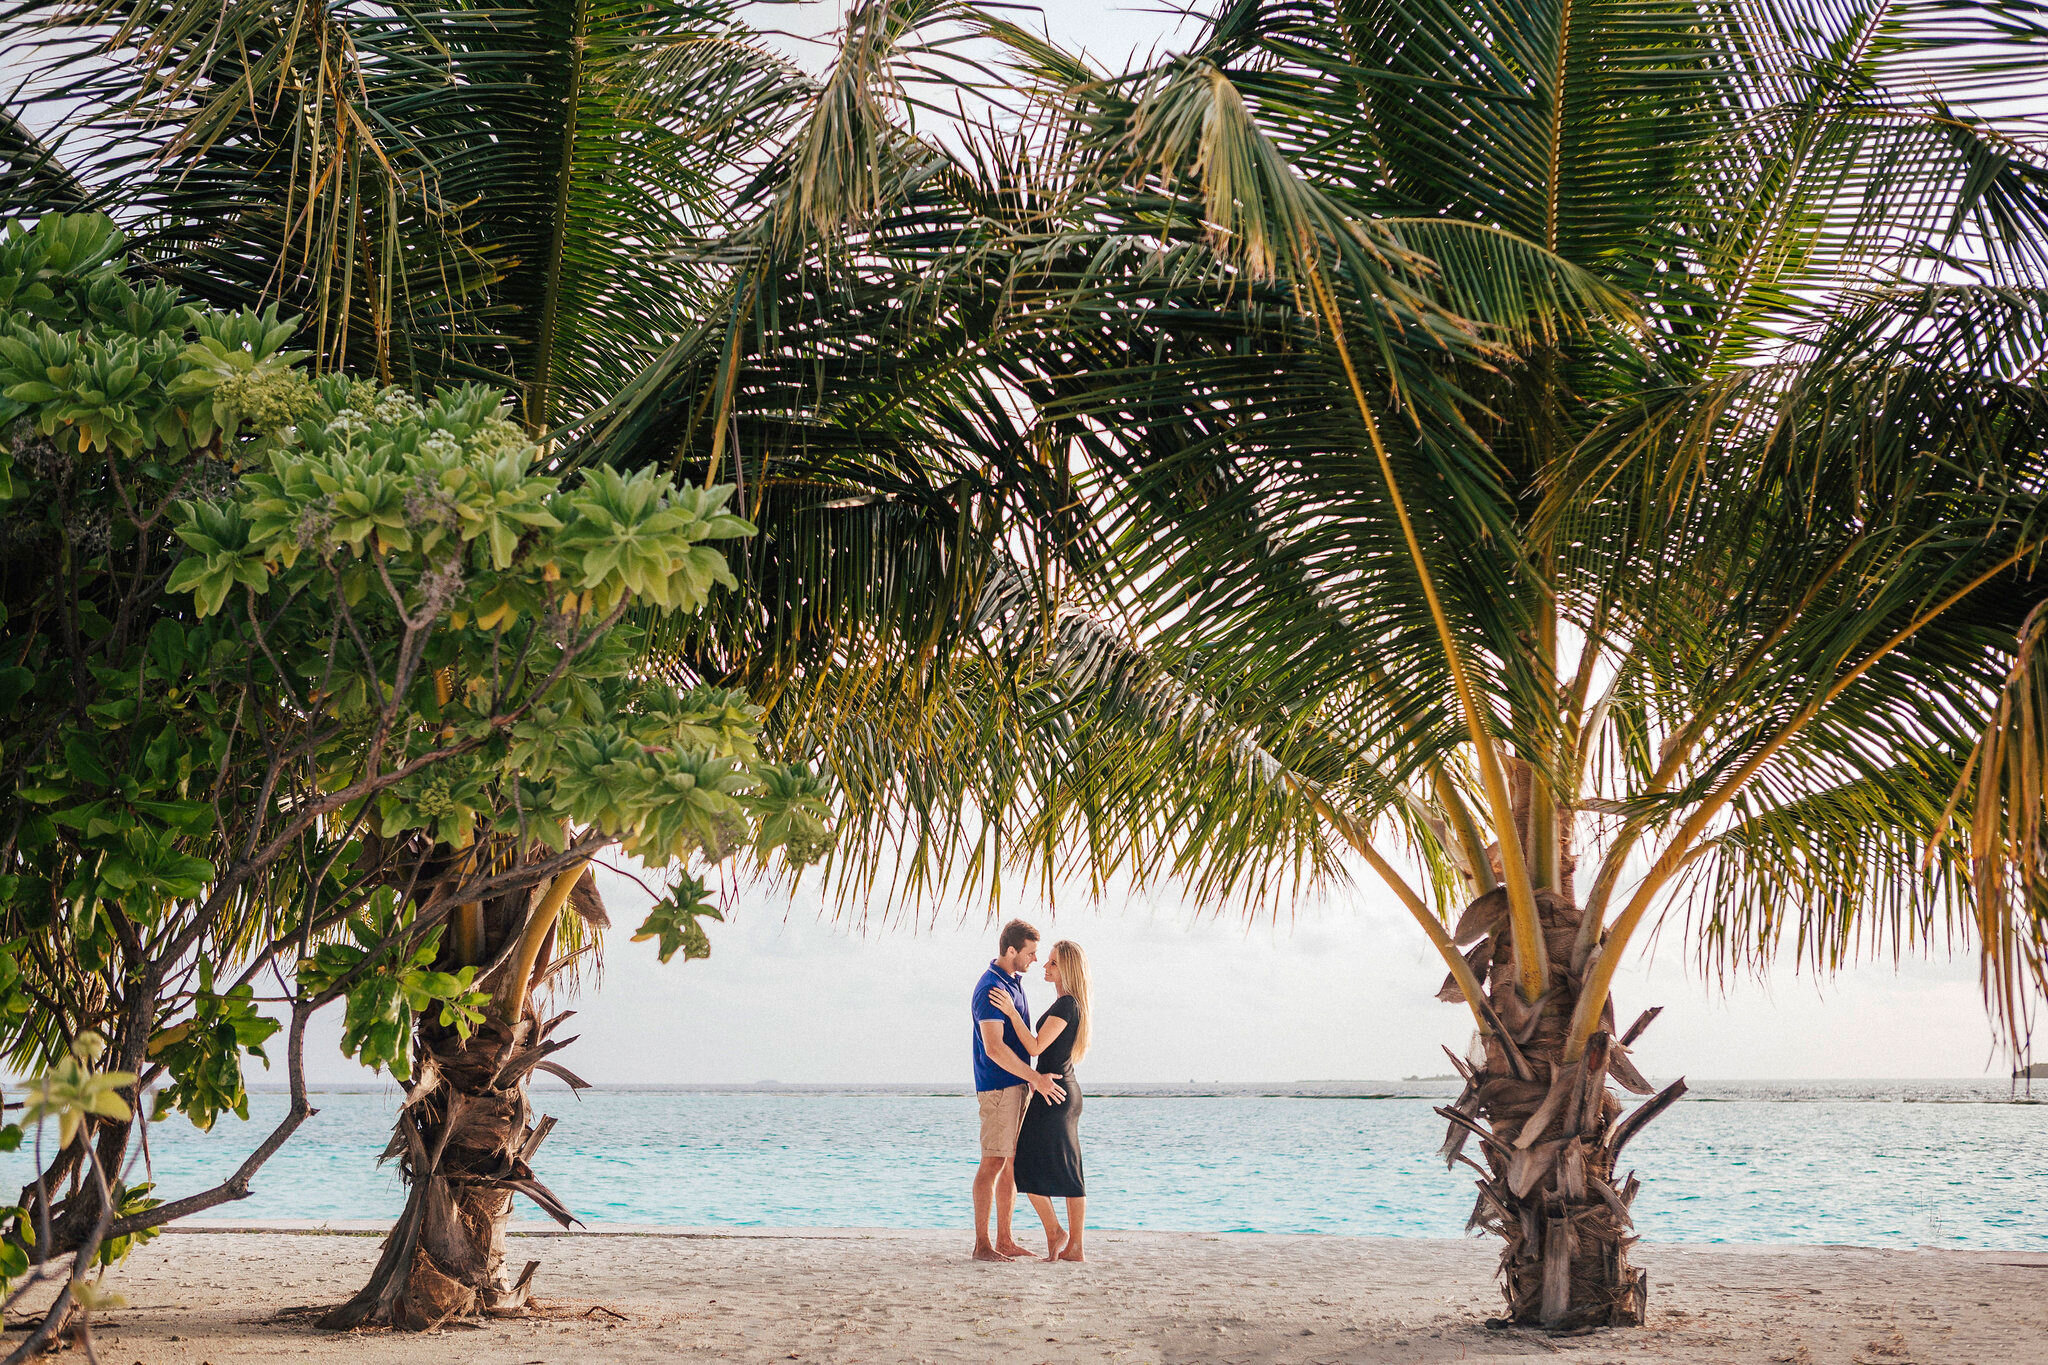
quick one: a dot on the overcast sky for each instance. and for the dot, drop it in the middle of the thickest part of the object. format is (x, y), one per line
(1342, 991)
(1111, 33)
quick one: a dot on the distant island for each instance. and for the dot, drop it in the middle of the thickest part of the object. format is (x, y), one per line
(2037, 1072)
(1445, 1077)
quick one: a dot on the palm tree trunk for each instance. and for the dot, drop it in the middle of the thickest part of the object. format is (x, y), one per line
(464, 1140)
(1550, 1133)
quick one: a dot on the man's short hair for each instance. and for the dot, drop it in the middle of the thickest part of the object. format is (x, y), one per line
(1015, 935)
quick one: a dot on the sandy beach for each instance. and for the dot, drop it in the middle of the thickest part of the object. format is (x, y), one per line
(216, 1297)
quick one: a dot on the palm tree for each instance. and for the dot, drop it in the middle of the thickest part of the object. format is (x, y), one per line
(537, 195)
(1604, 447)
(485, 191)
(1683, 574)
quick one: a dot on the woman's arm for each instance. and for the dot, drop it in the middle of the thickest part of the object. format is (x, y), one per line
(1034, 1043)
(999, 1053)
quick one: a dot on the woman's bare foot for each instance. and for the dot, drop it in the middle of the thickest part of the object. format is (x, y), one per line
(984, 1252)
(1072, 1254)
(1054, 1244)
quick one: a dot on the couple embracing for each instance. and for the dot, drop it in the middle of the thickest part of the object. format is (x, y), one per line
(1030, 1116)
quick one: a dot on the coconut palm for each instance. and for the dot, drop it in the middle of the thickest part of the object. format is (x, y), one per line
(480, 191)
(1685, 577)
(538, 195)
(1603, 447)
(486, 192)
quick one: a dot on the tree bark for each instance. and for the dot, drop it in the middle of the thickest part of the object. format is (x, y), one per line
(464, 1140)
(1549, 1134)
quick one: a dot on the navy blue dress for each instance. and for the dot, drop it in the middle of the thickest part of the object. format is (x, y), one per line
(1049, 1144)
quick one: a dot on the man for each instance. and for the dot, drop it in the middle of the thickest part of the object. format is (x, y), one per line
(1003, 1083)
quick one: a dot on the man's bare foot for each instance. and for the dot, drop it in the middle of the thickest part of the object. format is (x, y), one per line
(1072, 1254)
(1011, 1251)
(984, 1252)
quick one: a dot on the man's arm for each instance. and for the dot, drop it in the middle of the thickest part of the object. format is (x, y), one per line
(1003, 1056)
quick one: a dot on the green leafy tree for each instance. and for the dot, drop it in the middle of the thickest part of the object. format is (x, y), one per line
(299, 670)
(537, 196)
(72, 1090)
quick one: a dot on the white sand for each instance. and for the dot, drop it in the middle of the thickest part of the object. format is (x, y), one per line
(833, 1295)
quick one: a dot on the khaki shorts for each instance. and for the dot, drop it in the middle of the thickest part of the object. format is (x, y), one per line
(1002, 1114)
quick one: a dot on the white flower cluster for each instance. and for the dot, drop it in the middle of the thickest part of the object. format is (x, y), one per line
(395, 405)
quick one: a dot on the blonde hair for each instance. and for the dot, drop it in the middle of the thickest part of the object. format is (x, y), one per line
(1073, 969)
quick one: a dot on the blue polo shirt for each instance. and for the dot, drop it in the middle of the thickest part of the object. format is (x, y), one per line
(987, 1075)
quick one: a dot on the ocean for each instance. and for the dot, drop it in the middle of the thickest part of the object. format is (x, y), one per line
(1868, 1163)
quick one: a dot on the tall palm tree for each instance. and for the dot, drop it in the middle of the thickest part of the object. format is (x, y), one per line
(1684, 576)
(1603, 447)
(481, 191)
(550, 197)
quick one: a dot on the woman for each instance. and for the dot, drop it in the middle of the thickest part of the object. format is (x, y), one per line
(1048, 1162)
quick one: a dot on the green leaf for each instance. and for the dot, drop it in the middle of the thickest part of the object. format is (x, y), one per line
(673, 922)
(81, 756)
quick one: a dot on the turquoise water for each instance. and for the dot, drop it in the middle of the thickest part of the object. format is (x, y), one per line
(1951, 1164)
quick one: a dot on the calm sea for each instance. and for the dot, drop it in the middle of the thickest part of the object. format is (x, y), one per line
(1873, 1163)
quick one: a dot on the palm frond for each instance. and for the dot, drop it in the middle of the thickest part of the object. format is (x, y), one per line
(2002, 800)
(482, 191)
